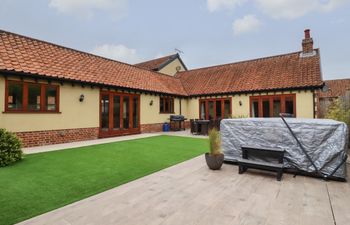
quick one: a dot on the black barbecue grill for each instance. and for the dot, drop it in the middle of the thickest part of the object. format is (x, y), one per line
(177, 122)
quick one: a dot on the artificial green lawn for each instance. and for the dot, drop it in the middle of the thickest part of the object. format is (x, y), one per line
(46, 181)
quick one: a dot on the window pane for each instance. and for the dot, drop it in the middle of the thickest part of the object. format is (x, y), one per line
(276, 107)
(135, 114)
(171, 105)
(255, 108)
(227, 106)
(161, 104)
(289, 105)
(126, 112)
(166, 105)
(116, 112)
(105, 111)
(203, 110)
(211, 110)
(50, 98)
(266, 108)
(15, 96)
(218, 110)
(34, 95)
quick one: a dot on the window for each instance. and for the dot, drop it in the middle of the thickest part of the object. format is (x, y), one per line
(116, 111)
(214, 109)
(31, 97)
(15, 96)
(203, 110)
(34, 97)
(51, 98)
(105, 111)
(135, 112)
(272, 105)
(166, 105)
(255, 108)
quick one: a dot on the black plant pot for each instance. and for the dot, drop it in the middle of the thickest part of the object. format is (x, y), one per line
(214, 162)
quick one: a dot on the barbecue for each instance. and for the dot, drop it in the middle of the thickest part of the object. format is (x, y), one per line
(177, 122)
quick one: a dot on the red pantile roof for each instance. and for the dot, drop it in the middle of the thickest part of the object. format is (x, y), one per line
(336, 88)
(279, 72)
(31, 56)
(156, 64)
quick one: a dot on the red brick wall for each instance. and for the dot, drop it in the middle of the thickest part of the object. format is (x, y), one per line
(49, 137)
(150, 128)
(157, 127)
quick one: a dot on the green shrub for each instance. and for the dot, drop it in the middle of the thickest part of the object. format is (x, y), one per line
(339, 111)
(10, 148)
(215, 142)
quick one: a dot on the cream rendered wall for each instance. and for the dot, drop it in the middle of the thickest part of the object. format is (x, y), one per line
(192, 108)
(239, 111)
(74, 114)
(170, 69)
(305, 104)
(150, 113)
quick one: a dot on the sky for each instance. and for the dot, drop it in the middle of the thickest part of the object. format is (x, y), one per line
(208, 32)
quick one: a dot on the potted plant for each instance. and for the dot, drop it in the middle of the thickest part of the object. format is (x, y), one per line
(215, 157)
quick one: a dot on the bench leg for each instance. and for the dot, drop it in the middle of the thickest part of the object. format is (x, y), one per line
(241, 169)
(279, 175)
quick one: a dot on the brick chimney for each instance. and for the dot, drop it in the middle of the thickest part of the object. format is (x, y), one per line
(308, 43)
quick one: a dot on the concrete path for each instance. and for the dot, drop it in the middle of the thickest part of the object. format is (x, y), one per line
(189, 193)
(48, 148)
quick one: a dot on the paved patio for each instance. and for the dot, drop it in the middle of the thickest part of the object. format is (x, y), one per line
(190, 193)
(48, 148)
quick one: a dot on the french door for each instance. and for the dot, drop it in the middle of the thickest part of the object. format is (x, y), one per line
(119, 114)
(272, 105)
(215, 109)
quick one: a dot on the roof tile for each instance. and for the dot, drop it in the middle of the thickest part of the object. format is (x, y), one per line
(23, 54)
(336, 88)
(270, 73)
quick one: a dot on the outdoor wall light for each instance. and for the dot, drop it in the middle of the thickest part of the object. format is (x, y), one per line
(151, 103)
(240, 103)
(81, 98)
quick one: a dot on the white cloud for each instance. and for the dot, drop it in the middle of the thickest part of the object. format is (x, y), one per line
(87, 8)
(117, 52)
(291, 9)
(248, 23)
(215, 5)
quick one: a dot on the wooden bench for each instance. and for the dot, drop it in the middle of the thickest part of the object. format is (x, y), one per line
(262, 153)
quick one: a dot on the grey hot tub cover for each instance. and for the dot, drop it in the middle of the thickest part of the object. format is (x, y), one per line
(325, 141)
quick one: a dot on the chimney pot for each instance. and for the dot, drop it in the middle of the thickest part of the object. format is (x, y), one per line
(307, 33)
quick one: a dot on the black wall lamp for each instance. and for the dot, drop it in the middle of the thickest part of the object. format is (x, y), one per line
(81, 98)
(151, 103)
(240, 103)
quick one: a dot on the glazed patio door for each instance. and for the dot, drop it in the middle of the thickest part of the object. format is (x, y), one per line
(119, 114)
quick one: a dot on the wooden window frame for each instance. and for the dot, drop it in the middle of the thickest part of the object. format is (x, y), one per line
(206, 102)
(25, 109)
(282, 97)
(171, 103)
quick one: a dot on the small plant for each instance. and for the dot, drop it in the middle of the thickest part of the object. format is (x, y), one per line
(215, 142)
(10, 148)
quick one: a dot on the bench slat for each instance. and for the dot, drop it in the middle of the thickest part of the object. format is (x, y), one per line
(267, 164)
(277, 150)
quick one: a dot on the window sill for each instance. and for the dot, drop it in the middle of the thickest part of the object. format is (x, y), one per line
(31, 112)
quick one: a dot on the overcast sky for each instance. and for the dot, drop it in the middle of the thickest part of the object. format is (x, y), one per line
(209, 32)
